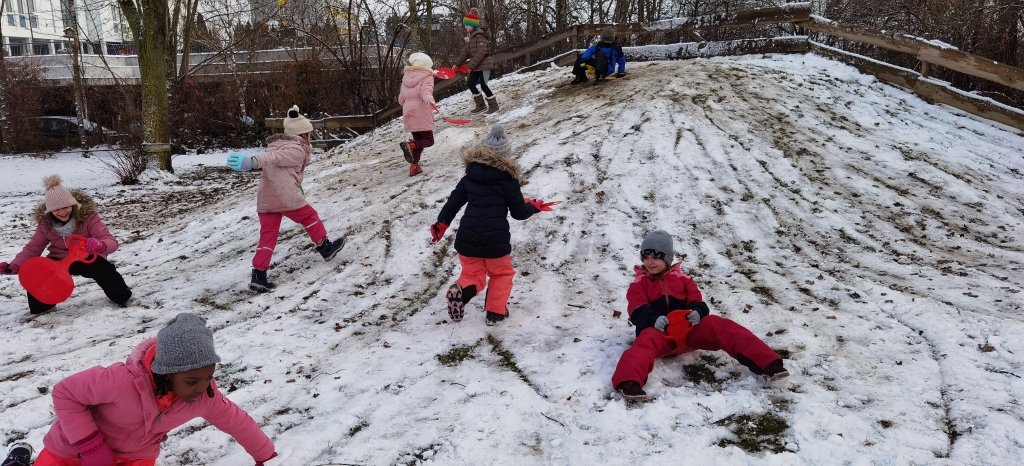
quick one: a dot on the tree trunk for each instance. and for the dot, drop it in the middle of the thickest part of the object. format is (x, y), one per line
(148, 22)
(186, 45)
(414, 22)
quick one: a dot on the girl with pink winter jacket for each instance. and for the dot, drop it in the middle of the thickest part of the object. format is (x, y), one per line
(416, 99)
(120, 414)
(64, 213)
(280, 194)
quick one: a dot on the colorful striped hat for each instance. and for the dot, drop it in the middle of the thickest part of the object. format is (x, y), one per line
(472, 19)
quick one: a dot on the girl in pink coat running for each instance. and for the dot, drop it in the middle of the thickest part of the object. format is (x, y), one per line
(416, 99)
(120, 414)
(280, 194)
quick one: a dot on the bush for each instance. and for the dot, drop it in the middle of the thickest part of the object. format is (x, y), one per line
(127, 161)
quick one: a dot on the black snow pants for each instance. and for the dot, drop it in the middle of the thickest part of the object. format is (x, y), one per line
(106, 276)
(597, 60)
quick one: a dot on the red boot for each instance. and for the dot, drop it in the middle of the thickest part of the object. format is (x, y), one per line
(414, 169)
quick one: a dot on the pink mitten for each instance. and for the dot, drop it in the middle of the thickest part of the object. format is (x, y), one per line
(94, 451)
(93, 246)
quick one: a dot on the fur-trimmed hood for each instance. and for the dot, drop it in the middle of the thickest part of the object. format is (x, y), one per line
(418, 68)
(86, 207)
(284, 137)
(485, 156)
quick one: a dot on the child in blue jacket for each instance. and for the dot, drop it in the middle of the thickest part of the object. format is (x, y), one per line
(604, 63)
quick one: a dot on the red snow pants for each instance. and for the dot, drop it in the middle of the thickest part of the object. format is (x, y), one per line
(475, 272)
(46, 458)
(270, 226)
(713, 333)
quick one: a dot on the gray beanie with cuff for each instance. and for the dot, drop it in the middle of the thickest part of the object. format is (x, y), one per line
(659, 244)
(497, 142)
(186, 343)
(608, 34)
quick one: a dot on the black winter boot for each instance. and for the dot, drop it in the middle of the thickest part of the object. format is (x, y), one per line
(259, 281)
(20, 455)
(632, 391)
(456, 306)
(495, 319)
(774, 371)
(328, 250)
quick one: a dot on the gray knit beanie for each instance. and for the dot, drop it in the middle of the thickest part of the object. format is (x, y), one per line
(608, 34)
(659, 244)
(184, 344)
(497, 142)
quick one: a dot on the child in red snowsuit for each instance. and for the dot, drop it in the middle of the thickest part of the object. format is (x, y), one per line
(659, 289)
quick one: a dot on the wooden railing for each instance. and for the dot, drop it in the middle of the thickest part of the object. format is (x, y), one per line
(928, 52)
(774, 15)
(797, 14)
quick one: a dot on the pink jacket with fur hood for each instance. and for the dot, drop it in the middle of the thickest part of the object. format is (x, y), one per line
(88, 225)
(119, 402)
(415, 97)
(284, 165)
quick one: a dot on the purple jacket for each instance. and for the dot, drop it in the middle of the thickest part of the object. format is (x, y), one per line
(119, 402)
(415, 97)
(284, 165)
(88, 225)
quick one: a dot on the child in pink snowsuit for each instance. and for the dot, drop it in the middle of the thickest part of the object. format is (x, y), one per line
(660, 288)
(280, 194)
(416, 98)
(119, 415)
(62, 214)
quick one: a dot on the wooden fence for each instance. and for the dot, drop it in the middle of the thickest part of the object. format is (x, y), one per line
(797, 14)
(576, 34)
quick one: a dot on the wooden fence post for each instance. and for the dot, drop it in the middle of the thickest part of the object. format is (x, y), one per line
(924, 64)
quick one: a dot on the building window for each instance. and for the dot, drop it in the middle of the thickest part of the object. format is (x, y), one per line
(10, 20)
(65, 13)
(21, 20)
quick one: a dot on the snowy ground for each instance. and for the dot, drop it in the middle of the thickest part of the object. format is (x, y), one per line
(868, 236)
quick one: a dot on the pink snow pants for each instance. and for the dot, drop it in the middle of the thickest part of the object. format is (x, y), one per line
(713, 333)
(475, 272)
(270, 226)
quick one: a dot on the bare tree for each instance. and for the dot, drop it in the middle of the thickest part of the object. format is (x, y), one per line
(148, 21)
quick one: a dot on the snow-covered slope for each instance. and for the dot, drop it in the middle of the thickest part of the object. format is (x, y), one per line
(871, 236)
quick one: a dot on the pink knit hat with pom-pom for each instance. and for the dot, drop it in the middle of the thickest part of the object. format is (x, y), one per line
(57, 196)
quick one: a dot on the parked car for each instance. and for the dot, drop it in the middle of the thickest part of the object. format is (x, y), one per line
(67, 127)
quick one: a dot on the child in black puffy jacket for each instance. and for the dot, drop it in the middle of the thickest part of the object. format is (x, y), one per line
(491, 190)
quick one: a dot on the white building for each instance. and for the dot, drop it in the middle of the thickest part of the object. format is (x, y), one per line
(36, 27)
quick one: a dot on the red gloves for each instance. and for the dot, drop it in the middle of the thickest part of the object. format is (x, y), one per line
(437, 231)
(8, 269)
(541, 205)
(93, 246)
(94, 451)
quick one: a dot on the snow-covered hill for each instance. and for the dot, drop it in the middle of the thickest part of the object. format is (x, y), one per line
(868, 236)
